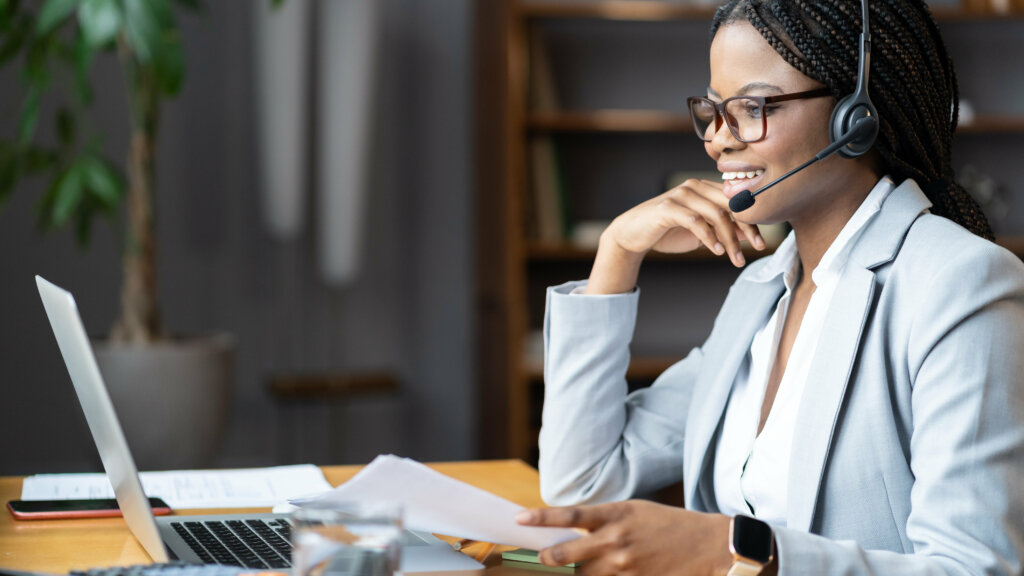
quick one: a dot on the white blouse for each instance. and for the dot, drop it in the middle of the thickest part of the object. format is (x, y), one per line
(751, 470)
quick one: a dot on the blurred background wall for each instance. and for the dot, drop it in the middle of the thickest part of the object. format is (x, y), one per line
(407, 313)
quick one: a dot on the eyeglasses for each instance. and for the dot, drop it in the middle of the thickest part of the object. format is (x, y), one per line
(746, 116)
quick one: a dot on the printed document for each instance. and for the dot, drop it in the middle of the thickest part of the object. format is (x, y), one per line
(241, 488)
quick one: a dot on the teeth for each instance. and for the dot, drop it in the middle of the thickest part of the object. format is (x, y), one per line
(741, 175)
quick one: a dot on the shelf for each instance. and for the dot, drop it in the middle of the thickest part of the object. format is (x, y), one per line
(627, 121)
(610, 121)
(542, 252)
(640, 367)
(636, 10)
(666, 10)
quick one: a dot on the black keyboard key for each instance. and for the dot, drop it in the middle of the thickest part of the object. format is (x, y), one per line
(192, 543)
(220, 553)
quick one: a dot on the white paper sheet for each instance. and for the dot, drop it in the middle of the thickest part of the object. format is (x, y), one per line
(436, 503)
(242, 488)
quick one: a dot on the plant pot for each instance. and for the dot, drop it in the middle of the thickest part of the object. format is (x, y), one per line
(172, 397)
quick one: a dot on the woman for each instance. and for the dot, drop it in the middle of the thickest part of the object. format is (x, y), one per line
(858, 407)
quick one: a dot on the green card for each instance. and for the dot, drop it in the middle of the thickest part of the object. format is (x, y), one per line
(530, 557)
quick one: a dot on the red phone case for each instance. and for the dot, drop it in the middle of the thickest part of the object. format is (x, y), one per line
(65, 514)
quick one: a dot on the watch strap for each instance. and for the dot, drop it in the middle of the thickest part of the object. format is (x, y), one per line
(741, 568)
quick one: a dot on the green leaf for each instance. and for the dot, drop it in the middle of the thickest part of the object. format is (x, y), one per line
(65, 127)
(14, 38)
(190, 4)
(53, 14)
(103, 182)
(67, 196)
(83, 62)
(153, 36)
(100, 21)
(29, 116)
(275, 4)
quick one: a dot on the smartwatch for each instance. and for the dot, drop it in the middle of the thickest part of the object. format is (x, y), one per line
(752, 545)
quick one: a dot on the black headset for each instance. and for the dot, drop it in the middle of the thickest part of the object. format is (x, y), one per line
(857, 105)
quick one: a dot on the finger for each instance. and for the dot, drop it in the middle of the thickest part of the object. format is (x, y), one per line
(753, 235)
(587, 517)
(579, 550)
(600, 553)
(718, 217)
(750, 233)
(676, 215)
(713, 191)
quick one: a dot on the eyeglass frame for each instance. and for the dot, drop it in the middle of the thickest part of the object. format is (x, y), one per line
(762, 101)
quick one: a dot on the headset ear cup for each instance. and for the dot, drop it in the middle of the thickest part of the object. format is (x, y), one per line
(846, 113)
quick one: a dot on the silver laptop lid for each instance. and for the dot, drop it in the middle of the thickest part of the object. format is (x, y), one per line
(99, 413)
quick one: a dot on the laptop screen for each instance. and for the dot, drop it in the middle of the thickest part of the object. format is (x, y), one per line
(99, 413)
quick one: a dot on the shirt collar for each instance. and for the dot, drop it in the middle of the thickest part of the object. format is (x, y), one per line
(834, 259)
(780, 262)
(786, 259)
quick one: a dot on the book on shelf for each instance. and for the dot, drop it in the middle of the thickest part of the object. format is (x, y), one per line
(543, 95)
(548, 195)
(548, 198)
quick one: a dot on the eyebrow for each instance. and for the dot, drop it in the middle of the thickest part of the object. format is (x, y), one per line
(752, 87)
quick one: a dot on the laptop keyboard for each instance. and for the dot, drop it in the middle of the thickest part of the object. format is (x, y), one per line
(164, 569)
(246, 543)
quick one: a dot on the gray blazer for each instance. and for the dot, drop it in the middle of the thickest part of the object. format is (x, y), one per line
(909, 453)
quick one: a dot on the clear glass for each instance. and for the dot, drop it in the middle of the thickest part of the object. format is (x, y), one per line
(746, 116)
(350, 538)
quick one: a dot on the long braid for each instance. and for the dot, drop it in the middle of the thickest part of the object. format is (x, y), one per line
(912, 84)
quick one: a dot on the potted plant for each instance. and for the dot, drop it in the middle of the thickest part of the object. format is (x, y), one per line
(172, 393)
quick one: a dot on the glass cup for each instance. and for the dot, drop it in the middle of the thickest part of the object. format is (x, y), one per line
(346, 538)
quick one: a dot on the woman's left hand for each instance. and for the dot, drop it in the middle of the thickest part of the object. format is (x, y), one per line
(637, 537)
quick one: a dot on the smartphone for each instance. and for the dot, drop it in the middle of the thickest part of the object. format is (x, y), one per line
(92, 508)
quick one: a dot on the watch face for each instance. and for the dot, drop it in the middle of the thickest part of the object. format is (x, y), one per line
(752, 539)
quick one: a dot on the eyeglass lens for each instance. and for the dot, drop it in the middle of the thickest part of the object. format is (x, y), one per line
(744, 116)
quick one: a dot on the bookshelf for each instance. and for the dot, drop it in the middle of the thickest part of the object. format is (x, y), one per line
(602, 141)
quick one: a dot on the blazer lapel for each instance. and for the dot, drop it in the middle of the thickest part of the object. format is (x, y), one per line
(824, 392)
(839, 345)
(756, 300)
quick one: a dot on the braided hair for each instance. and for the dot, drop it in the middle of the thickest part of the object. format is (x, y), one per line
(913, 84)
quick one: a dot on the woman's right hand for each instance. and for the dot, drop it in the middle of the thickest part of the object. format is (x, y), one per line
(692, 214)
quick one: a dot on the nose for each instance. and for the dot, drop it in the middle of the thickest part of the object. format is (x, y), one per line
(722, 141)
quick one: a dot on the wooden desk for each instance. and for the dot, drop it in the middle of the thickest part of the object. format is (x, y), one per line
(61, 545)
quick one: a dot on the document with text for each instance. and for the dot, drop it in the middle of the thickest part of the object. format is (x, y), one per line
(239, 488)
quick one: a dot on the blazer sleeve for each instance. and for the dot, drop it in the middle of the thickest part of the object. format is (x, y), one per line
(598, 443)
(965, 356)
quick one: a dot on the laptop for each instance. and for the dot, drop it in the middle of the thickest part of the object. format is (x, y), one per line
(256, 540)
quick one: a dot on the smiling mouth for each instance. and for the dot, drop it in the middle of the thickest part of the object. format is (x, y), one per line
(737, 176)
